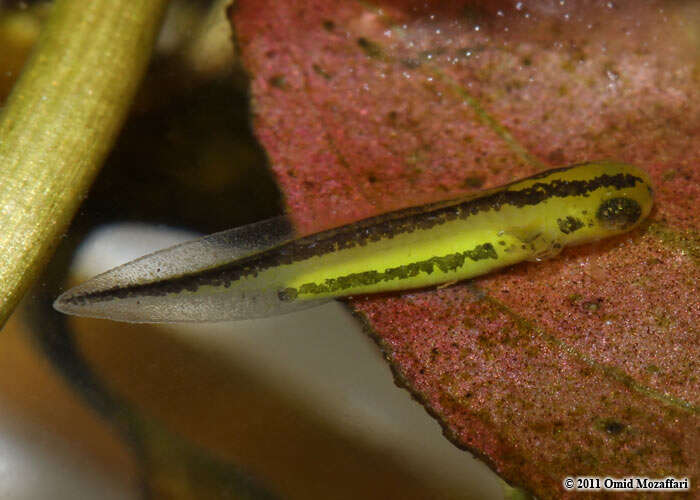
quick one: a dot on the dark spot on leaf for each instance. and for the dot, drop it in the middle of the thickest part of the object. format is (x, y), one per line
(556, 157)
(474, 181)
(278, 81)
(613, 427)
(370, 48)
(328, 25)
(320, 71)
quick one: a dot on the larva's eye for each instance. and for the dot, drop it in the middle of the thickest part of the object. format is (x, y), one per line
(619, 213)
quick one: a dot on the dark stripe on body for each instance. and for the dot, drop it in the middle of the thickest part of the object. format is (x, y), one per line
(447, 263)
(365, 231)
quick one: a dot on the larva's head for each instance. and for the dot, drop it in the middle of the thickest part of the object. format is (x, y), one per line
(610, 198)
(626, 200)
(583, 203)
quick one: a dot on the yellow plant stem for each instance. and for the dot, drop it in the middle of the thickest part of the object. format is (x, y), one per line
(59, 123)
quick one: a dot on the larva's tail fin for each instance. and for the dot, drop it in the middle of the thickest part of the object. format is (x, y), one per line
(115, 293)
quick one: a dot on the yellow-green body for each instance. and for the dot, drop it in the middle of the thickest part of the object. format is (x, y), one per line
(417, 247)
(482, 242)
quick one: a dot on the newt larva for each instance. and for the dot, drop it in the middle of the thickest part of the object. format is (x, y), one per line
(262, 270)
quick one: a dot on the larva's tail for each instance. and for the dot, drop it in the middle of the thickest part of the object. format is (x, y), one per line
(142, 291)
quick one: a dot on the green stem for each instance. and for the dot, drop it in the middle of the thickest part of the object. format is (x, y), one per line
(60, 122)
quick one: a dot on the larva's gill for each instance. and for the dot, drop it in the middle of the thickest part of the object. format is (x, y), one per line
(261, 270)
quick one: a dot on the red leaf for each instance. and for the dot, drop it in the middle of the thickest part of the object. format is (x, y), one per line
(583, 365)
